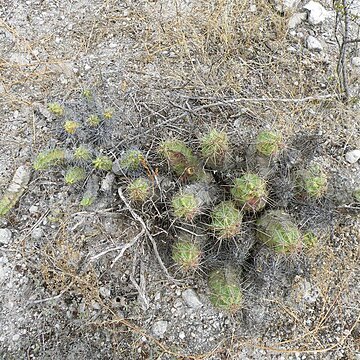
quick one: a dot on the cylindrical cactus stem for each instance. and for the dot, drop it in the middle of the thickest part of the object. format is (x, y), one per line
(268, 143)
(185, 206)
(226, 220)
(214, 148)
(131, 161)
(312, 181)
(250, 192)
(74, 175)
(276, 229)
(49, 158)
(70, 126)
(182, 160)
(139, 190)
(103, 162)
(225, 291)
(187, 252)
(260, 155)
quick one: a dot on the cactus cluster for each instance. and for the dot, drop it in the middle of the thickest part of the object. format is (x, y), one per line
(219, 214)
(79, 156)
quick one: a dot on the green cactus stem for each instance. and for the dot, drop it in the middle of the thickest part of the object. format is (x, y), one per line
(214, 147)
(49, 158)
(277, 230)
(268, 143)
(226, 220)
(250, 192)
(225, 291)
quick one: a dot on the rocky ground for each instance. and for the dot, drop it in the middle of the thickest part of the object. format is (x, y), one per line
(176, 69)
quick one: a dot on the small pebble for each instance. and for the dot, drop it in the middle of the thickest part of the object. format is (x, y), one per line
(159, 328)
(5, 236)
(191, 299)
(37, 233)
(313, 44)
(352, 156)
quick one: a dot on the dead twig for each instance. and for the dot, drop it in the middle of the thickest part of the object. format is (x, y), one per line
(122, 249)
(139, 219)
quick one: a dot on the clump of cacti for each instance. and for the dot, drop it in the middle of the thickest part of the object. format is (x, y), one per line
(250, 191)
(226, 220)
(185, 206)
(312, 182)
(139, 190)
(56, 109)
(203, 189)
(131, 160)
(186, 253)
(225, 291)
(214, 148)
(103, 162)
(74, 175)
(276, 229)
(49, 158)
(70, 126)
(268, 143)
(181, 160)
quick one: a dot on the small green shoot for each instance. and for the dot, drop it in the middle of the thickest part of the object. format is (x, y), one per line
(93, 121)
(71, 126)
(139, 190)
(81, 153)
(87, 200)
(56, 109)
(131, 160)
